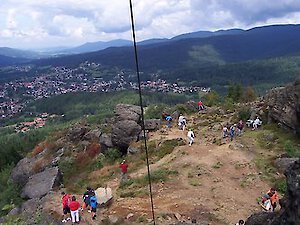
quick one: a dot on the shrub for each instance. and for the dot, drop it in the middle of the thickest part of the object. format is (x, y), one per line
(291, 150)
(93, 149)
(112, 154)
(281, 185)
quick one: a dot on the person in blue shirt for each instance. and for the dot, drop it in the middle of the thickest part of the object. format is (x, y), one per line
(169, 119)
(93, 204)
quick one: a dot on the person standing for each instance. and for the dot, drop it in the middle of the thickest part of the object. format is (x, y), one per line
(169, 120)
(86, 198)
(124, 169)
(94, 204)
(74, 208)
(191, 137)
(65, 204)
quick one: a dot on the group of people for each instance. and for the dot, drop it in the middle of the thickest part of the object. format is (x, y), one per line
(71, 205)
(269, 200)
(233, 130)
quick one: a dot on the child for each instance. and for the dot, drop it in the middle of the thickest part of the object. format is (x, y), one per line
(93, 204)
(74, 207)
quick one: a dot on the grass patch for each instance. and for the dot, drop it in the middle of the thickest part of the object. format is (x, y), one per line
(195, 182)
(217, 165)
(291, 150)
(281, 185)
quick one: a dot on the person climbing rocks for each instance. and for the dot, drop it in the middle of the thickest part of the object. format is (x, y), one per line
(273, 197)
(232, 131)
(257, 122)
(93, 204)
(200, 105)
(65, 204)
(191, 137)
(169, 120)
(240, 127)
(86, 198)
(124, 169)
(181, 122)
(241, 222)
(74, 206)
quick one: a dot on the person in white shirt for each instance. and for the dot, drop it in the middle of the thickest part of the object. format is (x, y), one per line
(191, 137)
(256, 123)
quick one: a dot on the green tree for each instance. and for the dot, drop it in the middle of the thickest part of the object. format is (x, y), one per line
(235, 92)
(211, 98)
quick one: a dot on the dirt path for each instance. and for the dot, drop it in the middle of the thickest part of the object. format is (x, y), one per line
(213, 183)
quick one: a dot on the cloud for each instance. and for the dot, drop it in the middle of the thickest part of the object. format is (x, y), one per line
(57, 22)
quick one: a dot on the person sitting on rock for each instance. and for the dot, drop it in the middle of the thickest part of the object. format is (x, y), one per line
(257, 122)
(274, 197)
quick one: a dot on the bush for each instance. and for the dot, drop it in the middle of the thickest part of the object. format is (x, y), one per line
(291, 150)
(112, 154)
(93, 149)
(281, 185)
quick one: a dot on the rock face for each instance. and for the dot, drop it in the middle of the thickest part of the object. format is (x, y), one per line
(40, 184)
(126, 127)
(289, 213)
(153, 124)
(104, 195)
(282, 164)
(77, 133)
(284, 106)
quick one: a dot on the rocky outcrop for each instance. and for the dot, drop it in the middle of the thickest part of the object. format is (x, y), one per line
(284, 106)
(104, 195)
(26, 167)
(77, 133)
(152, 124)
(289, 213)
(40, 184)
(126, 128)
(282, 164)
(105, 141)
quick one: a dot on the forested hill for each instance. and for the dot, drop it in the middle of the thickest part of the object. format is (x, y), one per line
(257, 43)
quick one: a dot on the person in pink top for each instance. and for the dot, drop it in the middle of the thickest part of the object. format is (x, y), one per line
(74, 206)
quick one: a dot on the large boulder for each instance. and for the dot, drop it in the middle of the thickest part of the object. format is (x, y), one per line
(104, 195)
(152, 124)
(27, 166)
(124, 132)
(282, 164)
(77, 133)
(40, 184)
(128, 112)
(105, 141)
(284, 106)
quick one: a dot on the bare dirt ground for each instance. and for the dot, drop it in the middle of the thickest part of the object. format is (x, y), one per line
(215, 183)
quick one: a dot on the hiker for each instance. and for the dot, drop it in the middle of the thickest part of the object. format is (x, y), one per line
(94, 204)
(66, 210)
(273, 197)
(225, 132)
(240, 127)
(169, 119)
(191, 137)
(124, 168)
(241, 222)
(266, 202)
(200, 105)
(74, 206)
(257, 122)
(232, 131)
(181, 122)
(86, 198)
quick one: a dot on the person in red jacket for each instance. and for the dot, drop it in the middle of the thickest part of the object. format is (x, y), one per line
(65, 204)
(74, 208)
(124, 168)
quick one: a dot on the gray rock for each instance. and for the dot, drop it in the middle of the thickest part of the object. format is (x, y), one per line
(40, 184)
(127, 112)
(282, 164)
(104, 195)
(76, 134)
(15, 211)
(113, 219)
(133, 150)
(152, 124)
(105, 140)
(92, 135)
(30, 206)
(124, 132)
(284, 106)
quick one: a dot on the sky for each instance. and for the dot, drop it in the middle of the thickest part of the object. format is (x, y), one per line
(33, 24)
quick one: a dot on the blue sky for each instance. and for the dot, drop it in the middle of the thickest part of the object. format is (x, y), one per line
(48, 23)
